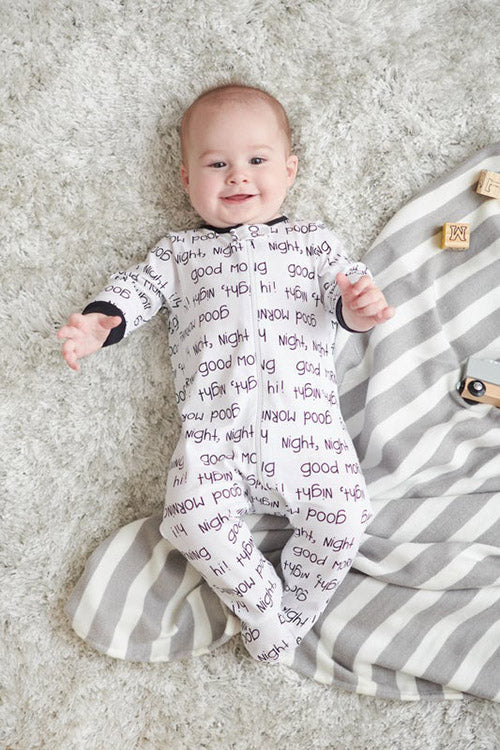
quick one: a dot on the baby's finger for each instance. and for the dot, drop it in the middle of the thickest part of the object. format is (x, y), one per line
(69, 332)
(368, 297)
(70, 355)
(76, 319)
(73, 363)
(362, 284)
(387, 313)
(110, 321)
(68, 348)
(370, 311)
(343, 282)
(353, 293)
(383, 315)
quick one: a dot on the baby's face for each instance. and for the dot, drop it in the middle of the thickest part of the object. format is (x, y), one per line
(237, 168)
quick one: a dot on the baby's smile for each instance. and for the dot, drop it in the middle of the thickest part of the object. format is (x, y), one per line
(238, 198)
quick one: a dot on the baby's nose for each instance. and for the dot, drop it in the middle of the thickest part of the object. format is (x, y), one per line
(237, 175)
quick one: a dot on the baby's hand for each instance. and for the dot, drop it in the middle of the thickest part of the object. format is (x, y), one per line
(85, 334)
(363, 304)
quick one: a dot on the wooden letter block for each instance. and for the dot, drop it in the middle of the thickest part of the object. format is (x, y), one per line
(489, 184)
(455, 236)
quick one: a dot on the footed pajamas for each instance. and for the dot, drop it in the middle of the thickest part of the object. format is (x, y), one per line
(253, 315)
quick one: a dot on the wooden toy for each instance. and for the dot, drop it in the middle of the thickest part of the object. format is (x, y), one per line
(481, 382)
(489, 184)
(455, 236)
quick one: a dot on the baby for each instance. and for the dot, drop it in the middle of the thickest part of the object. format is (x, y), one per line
(254, 301)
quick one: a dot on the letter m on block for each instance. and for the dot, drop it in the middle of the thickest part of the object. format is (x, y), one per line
(458, 232)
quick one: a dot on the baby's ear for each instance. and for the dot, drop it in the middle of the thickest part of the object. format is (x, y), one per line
(185, 177)
(291, 168)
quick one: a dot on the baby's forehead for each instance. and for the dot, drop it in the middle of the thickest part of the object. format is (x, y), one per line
(206, 115)
(232, 107)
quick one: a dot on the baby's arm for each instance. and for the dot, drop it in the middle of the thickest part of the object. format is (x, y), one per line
(85, 334)
(129, 300)
(363, 304)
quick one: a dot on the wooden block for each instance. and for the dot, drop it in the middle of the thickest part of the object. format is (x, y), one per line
(455, 236)
(489, 184)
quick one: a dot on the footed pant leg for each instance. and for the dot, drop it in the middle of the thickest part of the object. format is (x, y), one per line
(327, 534)
(206, 524)
(318, 556)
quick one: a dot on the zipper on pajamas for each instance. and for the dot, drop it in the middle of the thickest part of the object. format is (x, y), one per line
(258, 361)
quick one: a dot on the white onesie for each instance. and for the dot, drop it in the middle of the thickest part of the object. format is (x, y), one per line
(253, 315)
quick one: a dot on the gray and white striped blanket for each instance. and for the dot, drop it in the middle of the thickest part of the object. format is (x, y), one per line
(418, 615)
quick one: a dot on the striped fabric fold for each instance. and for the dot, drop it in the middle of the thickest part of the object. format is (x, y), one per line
(418, 615)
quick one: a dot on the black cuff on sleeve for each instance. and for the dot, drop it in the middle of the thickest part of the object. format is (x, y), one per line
(116, 334)
(340, 318)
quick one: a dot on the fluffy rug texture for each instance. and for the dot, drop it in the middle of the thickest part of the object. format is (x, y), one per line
(383, 96)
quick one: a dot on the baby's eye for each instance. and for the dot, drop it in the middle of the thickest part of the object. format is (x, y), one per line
(257, 160)
(218, 164)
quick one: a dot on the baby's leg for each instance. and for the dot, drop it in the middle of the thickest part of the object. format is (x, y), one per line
(321, 550)
(205, 523)
(314, 562)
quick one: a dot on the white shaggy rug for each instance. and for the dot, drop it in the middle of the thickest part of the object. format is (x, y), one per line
(383, 96)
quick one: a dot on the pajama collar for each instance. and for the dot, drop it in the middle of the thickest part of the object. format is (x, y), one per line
(223, 230)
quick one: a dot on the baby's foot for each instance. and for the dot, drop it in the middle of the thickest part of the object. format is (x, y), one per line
(270, 641)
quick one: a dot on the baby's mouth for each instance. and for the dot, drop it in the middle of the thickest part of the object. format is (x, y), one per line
(238, 198)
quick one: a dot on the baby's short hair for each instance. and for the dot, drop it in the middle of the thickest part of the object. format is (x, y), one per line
(239, 93)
